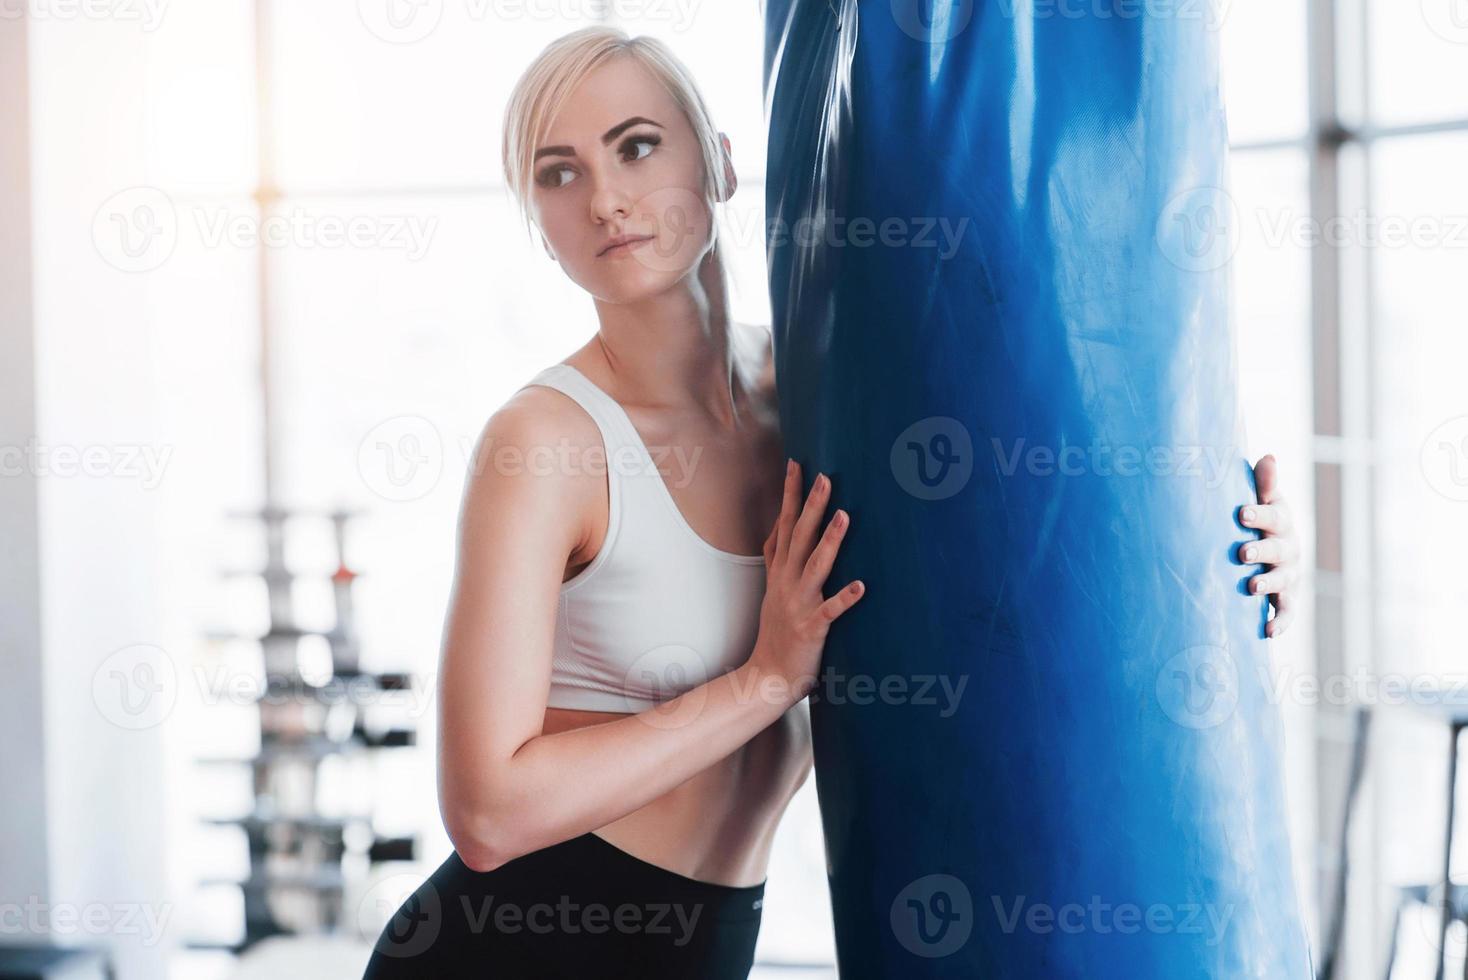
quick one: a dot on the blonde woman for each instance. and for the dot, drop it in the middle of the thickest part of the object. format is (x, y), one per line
(627, 650)
(624, 665)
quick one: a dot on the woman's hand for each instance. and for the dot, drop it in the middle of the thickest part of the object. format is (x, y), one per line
(795, 615)
(1279, 549)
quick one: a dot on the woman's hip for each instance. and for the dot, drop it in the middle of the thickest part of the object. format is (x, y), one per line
(579, 908)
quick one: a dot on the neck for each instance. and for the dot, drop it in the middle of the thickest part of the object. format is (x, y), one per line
(674, 349)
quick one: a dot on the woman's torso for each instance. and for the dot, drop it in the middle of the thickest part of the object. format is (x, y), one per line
(718, 825)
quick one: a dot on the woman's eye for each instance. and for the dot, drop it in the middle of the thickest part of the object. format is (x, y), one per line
(629, 148)
(554, 176)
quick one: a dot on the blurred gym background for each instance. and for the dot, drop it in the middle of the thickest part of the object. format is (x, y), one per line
(260, 286)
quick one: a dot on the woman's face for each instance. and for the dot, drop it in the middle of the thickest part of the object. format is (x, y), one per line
(620, 159)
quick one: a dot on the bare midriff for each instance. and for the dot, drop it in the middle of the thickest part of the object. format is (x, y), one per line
(717, 826)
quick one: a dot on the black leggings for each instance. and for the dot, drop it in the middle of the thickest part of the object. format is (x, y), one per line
(581, 908)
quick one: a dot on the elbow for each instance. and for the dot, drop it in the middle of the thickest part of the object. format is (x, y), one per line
(484, 838)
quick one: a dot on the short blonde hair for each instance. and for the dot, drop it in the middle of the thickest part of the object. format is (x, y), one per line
(561, 66)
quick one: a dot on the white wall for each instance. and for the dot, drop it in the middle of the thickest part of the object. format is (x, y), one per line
(83, 768)
(23, 868)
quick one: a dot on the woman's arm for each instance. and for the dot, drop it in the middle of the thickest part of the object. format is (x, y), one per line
(505, 789)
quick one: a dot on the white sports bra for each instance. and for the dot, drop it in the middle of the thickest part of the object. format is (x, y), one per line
(659, 610)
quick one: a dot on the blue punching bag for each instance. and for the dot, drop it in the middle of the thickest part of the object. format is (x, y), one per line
(1045, 747)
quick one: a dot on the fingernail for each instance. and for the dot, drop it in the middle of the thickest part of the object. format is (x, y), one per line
(821, 481)
(1248, 514)
(1250, 552)
(841, 518)
(789, 466)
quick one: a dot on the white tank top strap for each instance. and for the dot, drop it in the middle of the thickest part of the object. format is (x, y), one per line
(617, 430)
(625, 455)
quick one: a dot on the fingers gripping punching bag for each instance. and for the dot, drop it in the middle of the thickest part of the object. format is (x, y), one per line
(1044, 744)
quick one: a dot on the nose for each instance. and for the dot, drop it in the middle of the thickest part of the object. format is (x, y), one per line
(609, 202)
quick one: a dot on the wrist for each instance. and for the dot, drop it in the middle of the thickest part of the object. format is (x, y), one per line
(764, 682)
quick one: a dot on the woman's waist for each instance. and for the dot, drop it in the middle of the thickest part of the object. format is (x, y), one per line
(719, 824)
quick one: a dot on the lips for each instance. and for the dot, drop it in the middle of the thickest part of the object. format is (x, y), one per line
(621, 243)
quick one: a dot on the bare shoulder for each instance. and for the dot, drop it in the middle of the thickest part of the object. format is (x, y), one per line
(537, 417)
(539, 447)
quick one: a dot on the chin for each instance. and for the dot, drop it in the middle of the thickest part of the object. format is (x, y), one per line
(633, 283)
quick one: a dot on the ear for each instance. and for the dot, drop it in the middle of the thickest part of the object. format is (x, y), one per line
(731, 182)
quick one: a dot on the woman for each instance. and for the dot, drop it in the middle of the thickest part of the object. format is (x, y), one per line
(623, 673)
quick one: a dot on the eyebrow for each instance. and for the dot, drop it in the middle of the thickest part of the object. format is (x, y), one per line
(606, 138)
